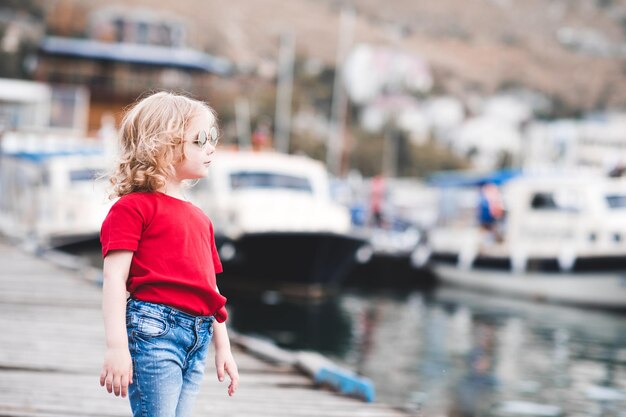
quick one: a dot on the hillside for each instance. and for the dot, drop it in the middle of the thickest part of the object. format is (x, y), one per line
(571, 50)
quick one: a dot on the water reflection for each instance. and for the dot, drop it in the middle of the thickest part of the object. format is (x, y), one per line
(293, 323)
(451, 352)
(459, 353)
(474, 391)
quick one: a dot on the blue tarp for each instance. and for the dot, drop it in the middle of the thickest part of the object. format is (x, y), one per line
(43, 156)
(471, 179)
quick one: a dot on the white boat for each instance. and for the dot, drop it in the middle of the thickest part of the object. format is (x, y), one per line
(275, 220)
(407, 207)
(50, 195)
(562, 239)
(391, 263)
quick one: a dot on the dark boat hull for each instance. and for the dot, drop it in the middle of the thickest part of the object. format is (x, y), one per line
(390, 271)
(302, 258)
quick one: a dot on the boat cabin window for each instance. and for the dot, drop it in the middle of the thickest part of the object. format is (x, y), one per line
(250, 179)
(616, 201)
(554, 202)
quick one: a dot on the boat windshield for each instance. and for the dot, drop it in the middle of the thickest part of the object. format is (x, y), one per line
(560, 201)
(271, 180)
(616, 201)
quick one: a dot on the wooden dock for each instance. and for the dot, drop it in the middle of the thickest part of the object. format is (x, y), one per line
(52, 345)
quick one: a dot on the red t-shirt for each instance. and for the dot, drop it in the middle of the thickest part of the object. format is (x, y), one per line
(175, 259)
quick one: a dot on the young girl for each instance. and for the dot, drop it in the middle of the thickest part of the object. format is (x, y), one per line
(160, 248)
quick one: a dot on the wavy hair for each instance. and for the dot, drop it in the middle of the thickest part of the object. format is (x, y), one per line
(151, 141)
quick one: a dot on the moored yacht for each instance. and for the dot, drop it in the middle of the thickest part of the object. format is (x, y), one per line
(275, 220)
(562, 238)
(49, 195)
(49, 192)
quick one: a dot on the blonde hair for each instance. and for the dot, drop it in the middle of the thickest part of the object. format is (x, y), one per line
(151, 141)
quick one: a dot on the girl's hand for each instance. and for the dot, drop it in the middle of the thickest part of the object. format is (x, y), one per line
(224, 361)
(117, 371)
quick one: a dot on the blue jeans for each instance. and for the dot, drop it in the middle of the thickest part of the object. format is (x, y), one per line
(169, 350)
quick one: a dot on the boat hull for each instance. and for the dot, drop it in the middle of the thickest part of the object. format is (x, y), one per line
(385, 270)
(606, 289)
(303, 258)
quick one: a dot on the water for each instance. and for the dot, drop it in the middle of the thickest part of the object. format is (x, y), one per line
(457, 353)
(450, 352)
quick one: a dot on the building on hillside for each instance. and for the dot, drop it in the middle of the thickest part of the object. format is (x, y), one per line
(40, 108)
(124, 53)
(594, 144)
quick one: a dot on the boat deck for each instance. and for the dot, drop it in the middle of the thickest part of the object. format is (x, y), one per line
(53, 344)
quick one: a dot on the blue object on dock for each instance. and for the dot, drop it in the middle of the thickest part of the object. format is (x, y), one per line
(346, 382)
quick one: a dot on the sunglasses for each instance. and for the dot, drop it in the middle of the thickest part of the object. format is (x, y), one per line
(205, 138)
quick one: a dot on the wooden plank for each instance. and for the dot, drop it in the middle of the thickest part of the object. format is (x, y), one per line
(52, 345)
